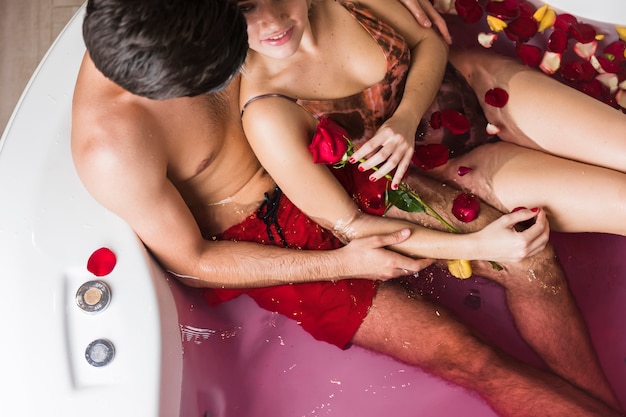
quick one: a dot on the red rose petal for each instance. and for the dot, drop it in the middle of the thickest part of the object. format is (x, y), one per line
(466, 207)
(527, 9)
(582, 32)
(435, 120)
(578, 71)
(463, 171)
(456, 122)
(616, 50)
(504, 10)
(557, 42)
(470, 10)
(564, 21)
(101, 262)
(522, 29)
(430, 156)
(531, 55)
(608, 65)
(496, 97)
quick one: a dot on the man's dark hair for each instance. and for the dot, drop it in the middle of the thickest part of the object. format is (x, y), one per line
(163, 49)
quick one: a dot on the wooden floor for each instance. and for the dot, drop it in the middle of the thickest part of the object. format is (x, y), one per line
(27, 29)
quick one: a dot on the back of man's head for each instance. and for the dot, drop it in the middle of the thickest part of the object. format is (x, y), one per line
(163, 49)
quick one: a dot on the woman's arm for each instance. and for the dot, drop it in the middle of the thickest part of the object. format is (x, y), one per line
(393, 144)
(279, 133)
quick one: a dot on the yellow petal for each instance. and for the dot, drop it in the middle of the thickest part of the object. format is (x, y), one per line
(495, 24)
(460, 268)
(540, 13)
(547, 21)
(621, 32)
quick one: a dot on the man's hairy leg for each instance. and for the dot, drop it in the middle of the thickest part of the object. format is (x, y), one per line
(537, 296)
(419, 333)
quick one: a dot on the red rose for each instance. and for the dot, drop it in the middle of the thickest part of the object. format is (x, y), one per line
(329, 143)
(466, 207)
(369, 196)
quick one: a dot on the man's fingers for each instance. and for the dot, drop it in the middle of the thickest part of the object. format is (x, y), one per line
(395, 237)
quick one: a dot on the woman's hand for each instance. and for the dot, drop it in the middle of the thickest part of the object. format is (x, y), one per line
(500, 242)
(392, 147)
(426, 15)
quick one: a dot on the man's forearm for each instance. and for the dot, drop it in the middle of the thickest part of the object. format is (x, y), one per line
(228, 264)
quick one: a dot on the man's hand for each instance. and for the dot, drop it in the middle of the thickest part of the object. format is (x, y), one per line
(368, 257)
(426, 15)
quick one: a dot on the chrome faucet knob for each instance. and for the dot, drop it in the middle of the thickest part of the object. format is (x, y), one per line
(93, 296)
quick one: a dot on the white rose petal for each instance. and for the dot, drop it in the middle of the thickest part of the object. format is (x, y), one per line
(586, 50)
(610, 81)
(486, 40)
(551, 62)
(492, 129)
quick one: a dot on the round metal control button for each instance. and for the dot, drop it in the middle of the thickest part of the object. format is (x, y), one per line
(93, 296)
(100, 352)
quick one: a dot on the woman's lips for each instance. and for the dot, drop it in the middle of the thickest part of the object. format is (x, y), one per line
(279, 39)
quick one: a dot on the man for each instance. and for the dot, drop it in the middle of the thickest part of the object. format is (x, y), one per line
(156, 144)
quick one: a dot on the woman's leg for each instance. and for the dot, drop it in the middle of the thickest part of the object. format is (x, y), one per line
(544, 114)
(422, 334)
(537, 296)
(577, 197)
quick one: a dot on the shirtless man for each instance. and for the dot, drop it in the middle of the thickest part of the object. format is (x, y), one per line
(177, 167)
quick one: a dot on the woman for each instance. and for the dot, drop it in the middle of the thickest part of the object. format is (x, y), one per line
(314, 58)
(324, 57)
(279, 131)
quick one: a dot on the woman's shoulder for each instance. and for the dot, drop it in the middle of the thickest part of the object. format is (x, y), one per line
(257, 87)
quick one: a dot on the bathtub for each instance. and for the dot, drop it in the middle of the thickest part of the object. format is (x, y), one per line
(613, 11)
(148, 346)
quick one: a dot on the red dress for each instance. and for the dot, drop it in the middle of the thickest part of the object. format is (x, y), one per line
(329, 311)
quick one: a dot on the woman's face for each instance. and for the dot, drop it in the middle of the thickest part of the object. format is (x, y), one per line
(275, 27)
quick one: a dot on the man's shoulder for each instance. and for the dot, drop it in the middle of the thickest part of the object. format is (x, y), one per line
(111, 143)
(106, 120)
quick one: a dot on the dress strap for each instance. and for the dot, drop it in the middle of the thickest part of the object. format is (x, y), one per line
(253, 99)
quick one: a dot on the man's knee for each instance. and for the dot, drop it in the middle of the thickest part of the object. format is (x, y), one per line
(539, 275)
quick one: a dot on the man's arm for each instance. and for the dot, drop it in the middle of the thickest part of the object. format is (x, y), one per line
(129, 178)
